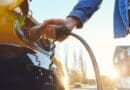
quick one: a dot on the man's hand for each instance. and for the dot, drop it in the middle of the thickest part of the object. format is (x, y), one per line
(49, 26)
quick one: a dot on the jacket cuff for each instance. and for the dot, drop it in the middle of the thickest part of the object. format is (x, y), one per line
(78, 15)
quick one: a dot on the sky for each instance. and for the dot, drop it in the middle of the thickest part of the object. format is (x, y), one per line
(97, 31)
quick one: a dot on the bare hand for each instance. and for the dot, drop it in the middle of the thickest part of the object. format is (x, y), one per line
(50, 25)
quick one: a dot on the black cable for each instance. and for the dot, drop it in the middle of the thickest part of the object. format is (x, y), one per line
(93, 59)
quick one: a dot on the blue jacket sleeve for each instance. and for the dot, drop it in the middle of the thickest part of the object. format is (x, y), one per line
(84, 9)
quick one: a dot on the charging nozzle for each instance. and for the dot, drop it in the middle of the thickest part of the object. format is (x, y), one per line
(62, 32)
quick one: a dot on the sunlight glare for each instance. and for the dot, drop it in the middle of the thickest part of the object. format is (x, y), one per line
(113, 74)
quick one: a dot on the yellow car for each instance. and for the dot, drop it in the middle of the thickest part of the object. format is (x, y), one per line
(17, 71)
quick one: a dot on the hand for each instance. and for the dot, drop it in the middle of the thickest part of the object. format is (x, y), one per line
(49, 26)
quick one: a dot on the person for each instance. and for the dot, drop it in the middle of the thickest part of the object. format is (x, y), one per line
(83, 10)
